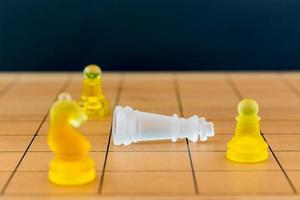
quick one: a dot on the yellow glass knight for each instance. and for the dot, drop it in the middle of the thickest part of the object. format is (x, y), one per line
(71, 164)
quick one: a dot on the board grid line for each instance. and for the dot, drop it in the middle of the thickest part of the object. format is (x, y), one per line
(281, 167)
(179, 100)
(233, 87)
(118, 95)
(64, 86)
(240, 96)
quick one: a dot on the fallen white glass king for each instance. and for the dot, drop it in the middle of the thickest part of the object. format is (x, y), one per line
(132, 126)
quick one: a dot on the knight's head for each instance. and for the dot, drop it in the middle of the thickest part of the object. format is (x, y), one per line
(65, 110)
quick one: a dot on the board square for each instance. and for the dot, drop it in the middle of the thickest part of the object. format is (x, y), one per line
(40, 185)
(148, 161)
(151, 146)
(215, 144)
(284, 142)
(289, 159)
(12, 128)
(14, 143)
(39, 161)
(243, 183)
(217, 161)
(98, 143)
(148, 183)
(9, 160)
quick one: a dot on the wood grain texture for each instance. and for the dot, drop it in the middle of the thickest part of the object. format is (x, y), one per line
(158, 169)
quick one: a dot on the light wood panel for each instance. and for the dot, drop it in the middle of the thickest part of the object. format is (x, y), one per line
(158, 169)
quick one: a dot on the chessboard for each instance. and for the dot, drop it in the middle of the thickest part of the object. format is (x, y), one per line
(157, 169)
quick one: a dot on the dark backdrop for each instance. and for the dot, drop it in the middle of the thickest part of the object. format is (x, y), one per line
(150, 34)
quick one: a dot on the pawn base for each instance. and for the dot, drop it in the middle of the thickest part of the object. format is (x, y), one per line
(70, 173)
(95, 107)
(97, 112)
(247, 157)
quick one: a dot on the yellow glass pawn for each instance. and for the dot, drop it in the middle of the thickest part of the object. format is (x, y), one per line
(247, 144)
(92, 99)
(71, 164)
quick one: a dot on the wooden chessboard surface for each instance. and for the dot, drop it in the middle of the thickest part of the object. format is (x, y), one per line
(161, 169)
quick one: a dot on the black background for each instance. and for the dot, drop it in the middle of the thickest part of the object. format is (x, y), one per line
(150, 34)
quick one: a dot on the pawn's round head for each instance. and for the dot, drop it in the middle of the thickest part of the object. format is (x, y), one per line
(248, 107)
(92, 72)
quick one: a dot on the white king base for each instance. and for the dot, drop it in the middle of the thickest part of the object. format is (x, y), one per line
(132, 126)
